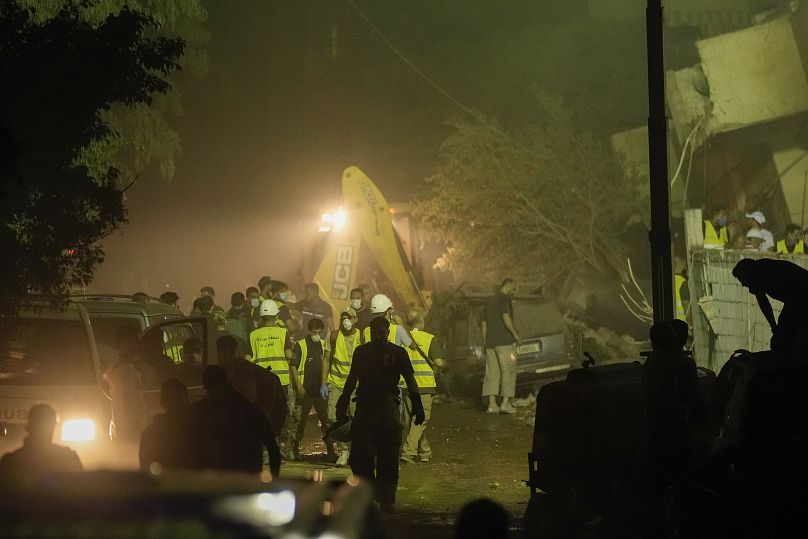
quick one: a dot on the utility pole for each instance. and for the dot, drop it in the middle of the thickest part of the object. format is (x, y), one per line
(660, 233)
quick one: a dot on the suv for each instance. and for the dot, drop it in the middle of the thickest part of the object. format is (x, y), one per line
(543, 354)
(60, 356)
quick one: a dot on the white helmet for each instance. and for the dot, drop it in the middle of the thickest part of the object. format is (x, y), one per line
(269, 308)
(380, 303)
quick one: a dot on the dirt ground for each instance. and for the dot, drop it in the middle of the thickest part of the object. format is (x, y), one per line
(474, 455)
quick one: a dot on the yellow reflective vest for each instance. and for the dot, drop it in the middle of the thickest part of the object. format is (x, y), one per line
(268, 346)
(304, 355)
(391, 336)
(783, 248)
(678, 281)
(712, 238)
(424, 375)
(341, 359)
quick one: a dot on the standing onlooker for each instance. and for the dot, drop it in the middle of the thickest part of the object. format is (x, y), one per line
(233, 432)
(208, 291)
(264, 288)
(168, 441)
(755, 220)
(308, 371)
(251, 305)
(170, 298)
(280, 294)
(127, 378)
(237, 321)
(792, 242)
(313, 306)
(363, 314)
(39, 454)
(499, 337)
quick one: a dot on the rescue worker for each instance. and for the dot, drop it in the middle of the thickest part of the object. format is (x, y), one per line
(376, 427)
(756, 220)
(382, 307)
(788, 283)
(308, 371)
(38, 454)
(363, 314)
(792, 242)
(680, 289)
(715, 228)
(314, 307)
(271, 348)
(338, 365)
(416, 446)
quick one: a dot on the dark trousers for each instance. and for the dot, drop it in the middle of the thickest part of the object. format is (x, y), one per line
(375, 444)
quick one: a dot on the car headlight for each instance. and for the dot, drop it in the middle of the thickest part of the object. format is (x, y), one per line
(78, 430)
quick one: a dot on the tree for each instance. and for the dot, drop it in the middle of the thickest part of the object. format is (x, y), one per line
(141, 135)
(532, 203)
(60, 77)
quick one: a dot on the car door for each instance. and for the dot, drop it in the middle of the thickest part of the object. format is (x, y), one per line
(170, 336)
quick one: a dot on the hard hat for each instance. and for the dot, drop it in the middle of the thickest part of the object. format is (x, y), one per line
(269, 308)
(380, 303)
(339, 431)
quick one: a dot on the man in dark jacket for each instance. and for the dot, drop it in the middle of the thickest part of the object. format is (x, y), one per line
(232, 431)
(376, 429)
(39, 454)
(168, 441)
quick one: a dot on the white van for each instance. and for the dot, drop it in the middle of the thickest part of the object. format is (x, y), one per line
(59, 356)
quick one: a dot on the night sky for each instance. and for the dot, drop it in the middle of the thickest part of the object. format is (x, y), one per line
(299, 90)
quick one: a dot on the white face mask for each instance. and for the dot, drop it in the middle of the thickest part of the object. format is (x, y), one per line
(255, 302)
(283, 296)
(347, 324)
(315, 338)
(356, 303)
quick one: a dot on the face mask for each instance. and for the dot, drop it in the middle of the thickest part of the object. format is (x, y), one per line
(283, 295)
(347, 324)
(356, 304)
(255, 302)
(723, 222)
(315, 338)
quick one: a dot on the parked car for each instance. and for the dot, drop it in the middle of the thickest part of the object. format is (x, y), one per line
(59, 356)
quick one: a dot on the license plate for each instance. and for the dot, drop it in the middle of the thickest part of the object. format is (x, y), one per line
(530, 348)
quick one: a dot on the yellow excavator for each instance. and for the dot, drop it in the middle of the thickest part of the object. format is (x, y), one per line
(364, 233)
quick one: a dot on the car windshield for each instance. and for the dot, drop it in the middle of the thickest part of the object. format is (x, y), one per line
(38, 351)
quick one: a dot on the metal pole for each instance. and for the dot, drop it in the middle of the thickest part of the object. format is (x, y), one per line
(660, 233)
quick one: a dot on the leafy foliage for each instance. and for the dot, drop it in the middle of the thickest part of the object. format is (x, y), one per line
(532, 203)
(60, 76)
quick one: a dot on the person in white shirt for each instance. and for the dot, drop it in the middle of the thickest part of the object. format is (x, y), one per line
(755, 220)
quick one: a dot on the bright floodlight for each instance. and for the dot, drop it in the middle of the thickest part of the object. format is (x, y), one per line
(78, 430)
(339, 219)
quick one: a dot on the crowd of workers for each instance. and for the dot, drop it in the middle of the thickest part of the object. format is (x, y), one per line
(751, 235)
(285, 358)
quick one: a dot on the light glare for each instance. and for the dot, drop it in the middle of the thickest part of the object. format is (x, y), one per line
(279, 506)
(78, 430)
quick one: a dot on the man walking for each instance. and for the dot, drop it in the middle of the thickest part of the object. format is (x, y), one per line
(376, 428)
(338, 365)
(499, 336)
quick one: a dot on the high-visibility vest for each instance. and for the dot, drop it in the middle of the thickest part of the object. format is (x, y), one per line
(268, 346)
(424, 375)
(304, 355)
(678, 281)
(391, 336)
(783, 248)
(341, 360)
(712, 238)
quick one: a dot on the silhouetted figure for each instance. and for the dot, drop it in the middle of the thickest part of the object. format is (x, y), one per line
(127, 377)
(232, 431)
(190, 369)
(259, 385)
(152, 354)
(376, 428)
(169, 441)
(669, 383)
(788, 283)
(483, 519)
(39, 454)
(140, 297)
